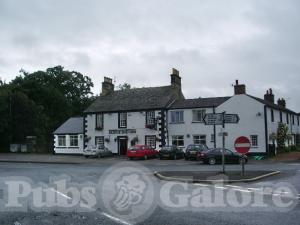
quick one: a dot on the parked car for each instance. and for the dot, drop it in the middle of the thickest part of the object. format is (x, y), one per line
(192, 151)
(215, 156)
(141, 151)
(97, 151)
(171, 152)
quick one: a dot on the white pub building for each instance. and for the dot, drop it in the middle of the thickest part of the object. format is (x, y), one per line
(159, 116)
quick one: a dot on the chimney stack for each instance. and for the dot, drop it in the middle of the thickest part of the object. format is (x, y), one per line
(239, 89)
(175, 78)
(107, 86)
(281, 102)
(269, 96)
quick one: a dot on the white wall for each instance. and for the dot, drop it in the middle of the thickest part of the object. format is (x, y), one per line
(68, 149)
(252, 122)
(189, 128)
(135, 120)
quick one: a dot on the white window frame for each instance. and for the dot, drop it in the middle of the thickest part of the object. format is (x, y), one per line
(198, 115)
(123, 120)
(150, 117)
(59, 138)
(176, 139)
(99, 121)
(177, 116)
(99, 141)
(254, 140)
(150, 140)
(199, 139)
(73, 138)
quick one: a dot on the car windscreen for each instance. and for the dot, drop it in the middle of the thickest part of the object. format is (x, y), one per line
(167, 149)
(197, 147)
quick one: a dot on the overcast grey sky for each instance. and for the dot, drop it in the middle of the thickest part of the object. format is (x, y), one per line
(211, 42)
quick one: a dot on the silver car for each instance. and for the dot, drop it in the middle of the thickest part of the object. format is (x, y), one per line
(97, 151)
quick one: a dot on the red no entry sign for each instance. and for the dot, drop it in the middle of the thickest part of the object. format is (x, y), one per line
(242, 145)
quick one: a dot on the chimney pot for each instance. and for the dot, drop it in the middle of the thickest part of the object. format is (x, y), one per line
(269, 96)
(107, 86)
(239, 89)
(175, 78)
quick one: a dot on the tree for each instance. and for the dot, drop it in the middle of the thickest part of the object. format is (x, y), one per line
(124, 86)
(282, 135)
(41, 101)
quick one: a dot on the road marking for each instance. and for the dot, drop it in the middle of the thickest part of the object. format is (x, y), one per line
(242, 190)
(116, 219)
(87, 206)
(233, 186)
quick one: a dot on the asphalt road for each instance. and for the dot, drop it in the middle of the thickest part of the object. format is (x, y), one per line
(159, 202)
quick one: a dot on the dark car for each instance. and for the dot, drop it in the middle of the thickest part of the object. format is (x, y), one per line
(214, 156)
(192, 151)
(171, 152)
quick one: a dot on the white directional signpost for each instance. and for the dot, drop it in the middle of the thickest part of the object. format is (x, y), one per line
(221, 119)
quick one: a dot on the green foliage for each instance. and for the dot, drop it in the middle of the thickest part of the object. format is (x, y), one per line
(124, 86)
(35, 104)
(282, 135)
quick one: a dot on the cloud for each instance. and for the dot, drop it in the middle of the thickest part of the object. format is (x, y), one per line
(211, 42)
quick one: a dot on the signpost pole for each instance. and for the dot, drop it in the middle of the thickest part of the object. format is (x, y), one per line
(223, 141)
(243, 165)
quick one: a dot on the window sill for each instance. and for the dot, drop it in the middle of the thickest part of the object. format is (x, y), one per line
(176, 122)
(197, 122)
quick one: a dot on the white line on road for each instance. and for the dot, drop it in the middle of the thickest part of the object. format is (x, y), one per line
(87, 206)
(116, 219)
(242, 190)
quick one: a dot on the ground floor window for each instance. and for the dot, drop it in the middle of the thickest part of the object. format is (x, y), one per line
(200, 139)
(150, 141)
(178, 140)
(73, 140)
(254, 140)
(212, 138)
(62, 141)
(99, 141)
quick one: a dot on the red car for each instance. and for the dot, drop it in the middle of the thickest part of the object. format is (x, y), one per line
(141, 151)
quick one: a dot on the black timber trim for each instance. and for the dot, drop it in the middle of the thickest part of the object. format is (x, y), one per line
(266, 130)
(215, 131)
(84, 131)
(163, 131)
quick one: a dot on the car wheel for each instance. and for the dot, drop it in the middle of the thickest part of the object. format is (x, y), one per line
(174, 157)
(99, 156)
(212, 161)
(145, 157)
(86, 156)
(130, 158)
(186, 158)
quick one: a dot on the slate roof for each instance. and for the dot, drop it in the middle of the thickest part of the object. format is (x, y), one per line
(136, 99)
(199, 103)
(272, 105)
(73, 125)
